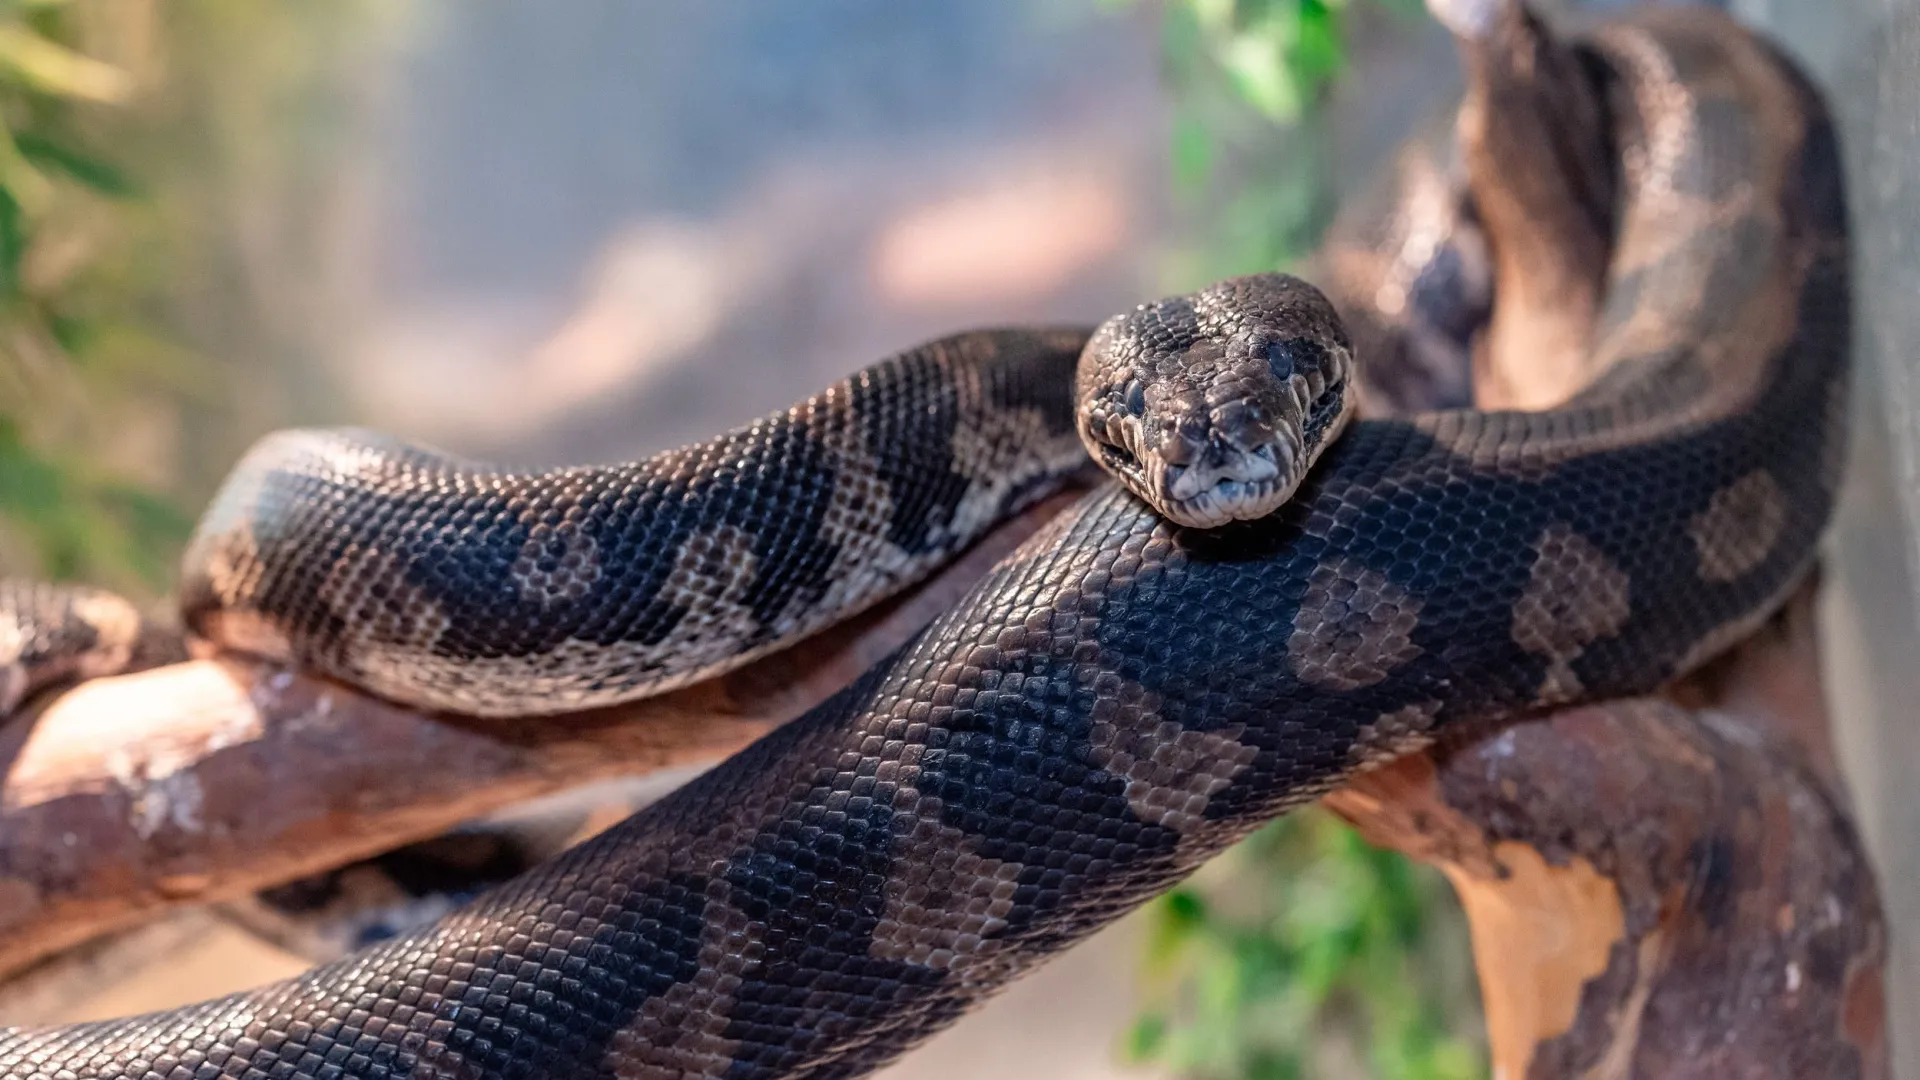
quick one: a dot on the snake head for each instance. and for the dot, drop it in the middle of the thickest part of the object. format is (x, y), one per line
(1212, 406)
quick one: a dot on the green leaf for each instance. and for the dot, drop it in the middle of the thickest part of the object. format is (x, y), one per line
(1214, 16)
(30, 190)
(1262, 77)
(13, 244)
(1192, 152)
(88, 171)
(1186, 908)
(28, 485)
(1317, 56)
(1274, 1066)
(1145, 1038)
(50, 68)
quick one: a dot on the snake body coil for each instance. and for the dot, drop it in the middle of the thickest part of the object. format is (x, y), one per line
(456, 585)
(1124, 697)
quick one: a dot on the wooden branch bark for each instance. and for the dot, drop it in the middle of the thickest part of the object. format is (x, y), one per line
(1657, 889)
(213, 779)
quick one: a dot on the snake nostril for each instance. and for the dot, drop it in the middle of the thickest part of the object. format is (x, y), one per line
(1177, 449)
(1220, 450)
(1245, 426)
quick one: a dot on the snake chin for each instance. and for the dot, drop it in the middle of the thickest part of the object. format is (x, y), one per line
(1250, 484)
(1119, 459)
(1228, 501)
(1223, 480)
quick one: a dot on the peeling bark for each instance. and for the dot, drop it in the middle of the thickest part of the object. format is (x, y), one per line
(1655, 890)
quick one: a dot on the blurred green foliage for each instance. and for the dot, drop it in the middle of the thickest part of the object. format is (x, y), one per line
(163, 170)
(1304, 951)
(1250, 150)
(62, 348)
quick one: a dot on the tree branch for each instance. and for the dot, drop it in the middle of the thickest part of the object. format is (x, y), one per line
(1657, 890)
(212, 779)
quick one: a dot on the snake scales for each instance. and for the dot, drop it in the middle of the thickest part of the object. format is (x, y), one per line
(1122, 697)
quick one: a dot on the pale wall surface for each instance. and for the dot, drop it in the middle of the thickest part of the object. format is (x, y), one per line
(1867, 53)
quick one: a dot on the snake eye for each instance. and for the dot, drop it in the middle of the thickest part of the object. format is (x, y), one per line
(1280, 359)
(1135, 396)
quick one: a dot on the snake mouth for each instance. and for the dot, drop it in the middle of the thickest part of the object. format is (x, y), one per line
(1227, 480)
(1285, 462)
(1230, 499)
(1120, 461)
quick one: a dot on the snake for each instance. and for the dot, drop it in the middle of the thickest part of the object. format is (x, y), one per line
(1127, 693)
